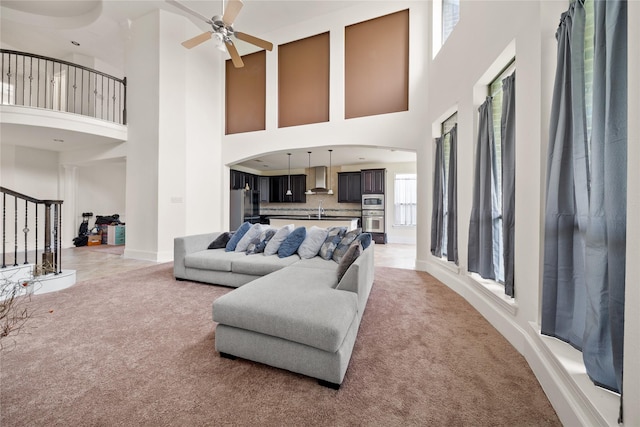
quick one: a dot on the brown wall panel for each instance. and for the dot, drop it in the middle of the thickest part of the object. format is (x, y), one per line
(303, 81)
(377, 66)
(245, 94)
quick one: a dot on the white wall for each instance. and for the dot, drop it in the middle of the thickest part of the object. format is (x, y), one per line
(101, 190)
(395, 130)
(173, 103)
(487, 35)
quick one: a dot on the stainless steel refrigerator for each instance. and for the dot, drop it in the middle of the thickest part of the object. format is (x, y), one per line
(244, 206)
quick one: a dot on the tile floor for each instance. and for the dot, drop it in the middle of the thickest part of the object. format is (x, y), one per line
(99, 261)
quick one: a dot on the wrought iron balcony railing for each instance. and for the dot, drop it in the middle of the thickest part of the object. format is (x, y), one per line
(42, 82)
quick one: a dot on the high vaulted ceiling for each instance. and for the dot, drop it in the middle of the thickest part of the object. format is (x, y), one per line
(48, 27)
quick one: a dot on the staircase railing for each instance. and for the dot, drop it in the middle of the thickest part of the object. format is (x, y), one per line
(16, 206)
(42, 82)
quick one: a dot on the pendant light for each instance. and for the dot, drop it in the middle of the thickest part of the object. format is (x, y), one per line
(288, 193)
(330, 189)
(309, 191)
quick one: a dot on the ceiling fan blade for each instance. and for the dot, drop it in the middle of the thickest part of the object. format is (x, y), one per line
(190, 11)
(254, 40)
(231, 11)
(235, 57)
(195, 41)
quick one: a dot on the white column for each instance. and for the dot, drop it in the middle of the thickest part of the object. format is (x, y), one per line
(68, 193)
(173, 121)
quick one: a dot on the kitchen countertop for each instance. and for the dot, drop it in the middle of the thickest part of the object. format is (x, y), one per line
(309, 220)
(313, 217)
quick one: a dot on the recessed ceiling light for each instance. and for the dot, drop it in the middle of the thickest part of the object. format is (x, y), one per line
(75, 43)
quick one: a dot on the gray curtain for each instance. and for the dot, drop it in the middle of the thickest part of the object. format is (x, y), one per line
(606, 230)
(438, 200)
(508, 138)
(452, 197)
(485, 210)
(585, 218)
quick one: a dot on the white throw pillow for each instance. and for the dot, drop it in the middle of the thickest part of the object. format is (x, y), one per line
(277, 239)
(312, 243)
(253, 232)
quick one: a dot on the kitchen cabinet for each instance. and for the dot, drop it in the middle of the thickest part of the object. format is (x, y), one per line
(349, 187)
(239, 180)
(263, 187)
(298, 187)
(278, 186)
(373, 181)
(236, 180)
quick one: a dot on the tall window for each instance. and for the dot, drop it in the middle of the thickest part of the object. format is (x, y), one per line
(405, 208)
(446, 127)
(450, 17)
(495, 92)
(444, 229)
(492, 221)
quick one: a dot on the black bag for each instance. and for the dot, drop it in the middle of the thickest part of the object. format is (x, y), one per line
(83, 230)
(108, 219)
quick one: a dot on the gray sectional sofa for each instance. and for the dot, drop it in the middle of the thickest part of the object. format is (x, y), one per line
(290, 313)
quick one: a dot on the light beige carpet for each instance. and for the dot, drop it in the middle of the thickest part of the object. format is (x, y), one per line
(138, 349)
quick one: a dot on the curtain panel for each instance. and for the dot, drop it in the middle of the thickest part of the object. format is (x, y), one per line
(606, 229)
(452, 197)
(585, 214)
(437, 209)
(485, 212)
(508, 138)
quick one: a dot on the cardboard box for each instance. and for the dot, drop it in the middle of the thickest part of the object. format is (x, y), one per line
(94, 239)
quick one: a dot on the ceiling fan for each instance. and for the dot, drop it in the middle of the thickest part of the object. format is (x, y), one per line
(222, 29)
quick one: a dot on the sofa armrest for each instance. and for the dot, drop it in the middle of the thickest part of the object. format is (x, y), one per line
(182, 246)
(359, 277)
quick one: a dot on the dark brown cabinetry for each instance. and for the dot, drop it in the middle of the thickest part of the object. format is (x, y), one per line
(349, 187)
(373, 181)
(278, 186)
(239, 180)
(263, 187)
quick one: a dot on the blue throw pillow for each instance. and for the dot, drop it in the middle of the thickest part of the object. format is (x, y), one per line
(292, 242)
(258, 244)
(364, 239)
(344, 244)
(240, 232)
(333, 238)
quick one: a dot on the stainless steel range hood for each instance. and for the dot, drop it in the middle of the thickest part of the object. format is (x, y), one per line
(321, 179)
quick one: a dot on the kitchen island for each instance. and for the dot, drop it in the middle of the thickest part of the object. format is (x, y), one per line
(310, 220)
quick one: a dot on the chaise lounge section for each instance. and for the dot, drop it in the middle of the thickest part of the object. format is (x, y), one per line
(292, 313)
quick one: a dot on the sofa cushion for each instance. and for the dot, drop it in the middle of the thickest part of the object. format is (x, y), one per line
(214, 259)
(292, 242)
(261, 265)
(295, 304)
(221, 241)
(251, 234)
(277, 239)
(364, 239)
(344, 244)
(348, 258)
(334, 235)
(312, 242)
(257, 245)
(318, 262)
(239, 233)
